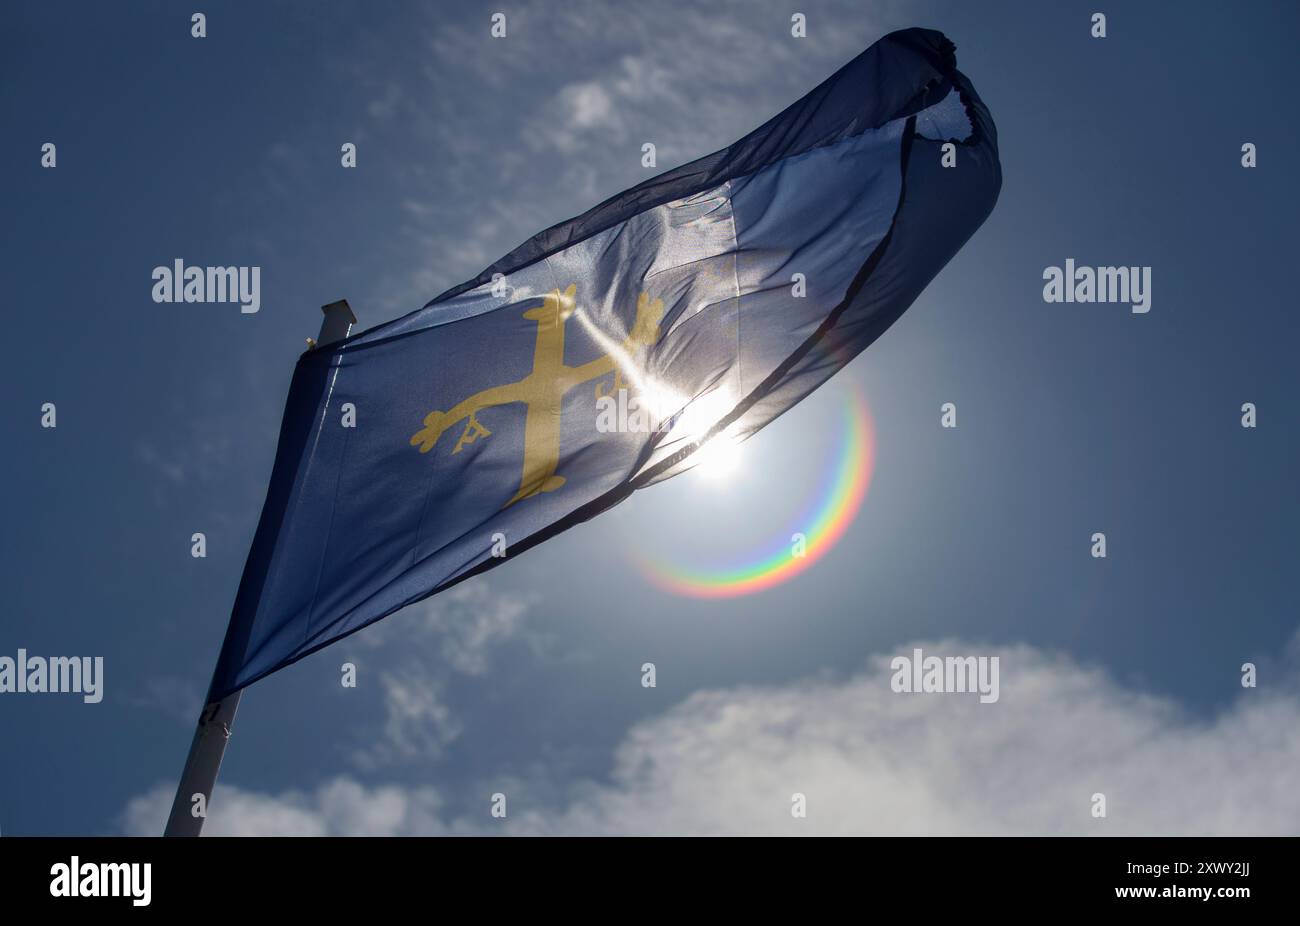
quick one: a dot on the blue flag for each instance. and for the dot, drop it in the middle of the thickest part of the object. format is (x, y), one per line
(598, 356)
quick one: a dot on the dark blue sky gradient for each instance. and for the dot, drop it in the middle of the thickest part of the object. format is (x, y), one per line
(1072, 418)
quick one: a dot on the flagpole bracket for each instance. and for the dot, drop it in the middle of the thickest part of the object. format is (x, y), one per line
(338, 322)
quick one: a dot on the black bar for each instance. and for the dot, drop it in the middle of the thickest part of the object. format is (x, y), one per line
(641, 878)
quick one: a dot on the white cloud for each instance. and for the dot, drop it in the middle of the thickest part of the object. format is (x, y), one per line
(872, 761)
(340, 807)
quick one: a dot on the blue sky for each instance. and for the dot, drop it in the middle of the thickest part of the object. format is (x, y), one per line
(1118, 675)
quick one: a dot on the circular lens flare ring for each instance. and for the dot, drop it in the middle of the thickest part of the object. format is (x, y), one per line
(823, 523)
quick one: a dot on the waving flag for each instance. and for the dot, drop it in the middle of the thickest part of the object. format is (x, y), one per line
(709, 300)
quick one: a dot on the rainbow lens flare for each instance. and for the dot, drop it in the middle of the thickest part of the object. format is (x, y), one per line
(841, 490)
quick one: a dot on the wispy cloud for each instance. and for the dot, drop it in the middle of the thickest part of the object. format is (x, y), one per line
(417, 724)
(453, 634)
(461, 626)
(178, 698)
(537, 144)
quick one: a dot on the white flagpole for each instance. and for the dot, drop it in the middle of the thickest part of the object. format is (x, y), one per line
(218, 718)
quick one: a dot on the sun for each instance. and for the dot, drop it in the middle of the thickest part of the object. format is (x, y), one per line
(719, 458)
